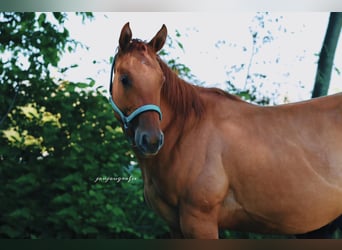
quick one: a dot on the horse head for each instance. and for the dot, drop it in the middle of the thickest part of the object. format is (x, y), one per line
(136, 90)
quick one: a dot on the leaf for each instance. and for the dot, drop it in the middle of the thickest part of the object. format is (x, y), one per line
(12, 135)
(10, 231)
(62, 199)
(28, 179)
(180, 45)
(72, 179)
(178, 34)
(21, 213)
(90, 230)
(41, 19)
(50, 118)
(31, 140)
(69, 213)
(59, 17)
(82, 85)
(29, 111)
(92, 82)
(63, 70)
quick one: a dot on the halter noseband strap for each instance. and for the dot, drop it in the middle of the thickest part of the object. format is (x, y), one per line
(126, 120)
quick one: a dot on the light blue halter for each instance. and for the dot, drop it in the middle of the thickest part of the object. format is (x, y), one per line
(126, 120)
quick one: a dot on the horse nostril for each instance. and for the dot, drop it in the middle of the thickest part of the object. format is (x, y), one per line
(144, 140)
(161, 139)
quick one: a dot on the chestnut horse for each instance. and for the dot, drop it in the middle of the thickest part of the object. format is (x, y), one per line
(211, 161)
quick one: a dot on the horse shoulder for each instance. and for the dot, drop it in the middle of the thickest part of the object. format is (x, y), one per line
(160, 205)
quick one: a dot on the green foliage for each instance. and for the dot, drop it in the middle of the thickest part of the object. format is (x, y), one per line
(52, 154)
(66, 170)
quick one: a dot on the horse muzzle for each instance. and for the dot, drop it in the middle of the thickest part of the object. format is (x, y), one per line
(149, 142)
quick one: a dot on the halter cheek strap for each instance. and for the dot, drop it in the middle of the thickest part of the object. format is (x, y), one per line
(126, 120)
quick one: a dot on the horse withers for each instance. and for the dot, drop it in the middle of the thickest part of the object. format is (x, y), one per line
(211, 161)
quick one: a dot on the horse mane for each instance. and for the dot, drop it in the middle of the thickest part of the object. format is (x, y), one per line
(182, 96)
(185, 97)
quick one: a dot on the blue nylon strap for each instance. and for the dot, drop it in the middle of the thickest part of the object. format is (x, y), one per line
(127, 119)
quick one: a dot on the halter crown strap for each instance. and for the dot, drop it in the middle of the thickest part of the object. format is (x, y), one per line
(127, 119)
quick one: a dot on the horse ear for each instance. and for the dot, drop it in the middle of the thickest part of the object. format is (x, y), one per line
(125, 36)
(159, 39)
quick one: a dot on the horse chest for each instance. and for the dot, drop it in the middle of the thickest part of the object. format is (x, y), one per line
(160, 202)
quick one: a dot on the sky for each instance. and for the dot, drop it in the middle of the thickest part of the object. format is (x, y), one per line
(214, 46)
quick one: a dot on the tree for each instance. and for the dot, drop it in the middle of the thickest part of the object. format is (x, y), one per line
(327, 54)
(264, 29)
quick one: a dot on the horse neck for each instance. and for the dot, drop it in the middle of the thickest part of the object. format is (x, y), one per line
(182, 107)
(182, 98)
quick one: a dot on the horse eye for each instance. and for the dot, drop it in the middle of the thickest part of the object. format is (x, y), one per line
(125, 80)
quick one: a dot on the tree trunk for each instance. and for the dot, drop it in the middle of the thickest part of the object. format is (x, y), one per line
(326, 57)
